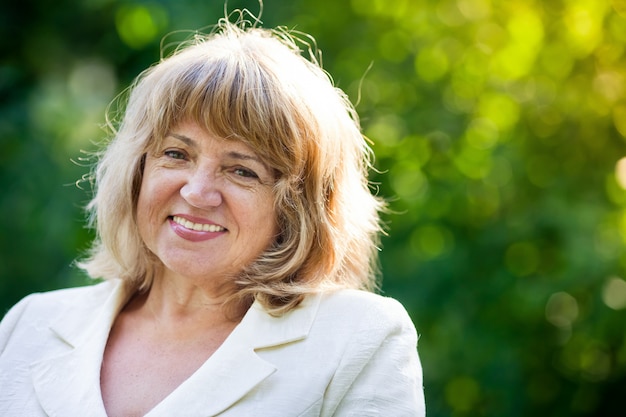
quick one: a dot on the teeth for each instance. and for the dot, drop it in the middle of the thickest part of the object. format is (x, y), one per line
(199, 227)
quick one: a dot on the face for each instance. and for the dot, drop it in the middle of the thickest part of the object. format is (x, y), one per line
(205, 207)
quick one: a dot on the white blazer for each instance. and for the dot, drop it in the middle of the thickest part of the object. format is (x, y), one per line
(346, 353)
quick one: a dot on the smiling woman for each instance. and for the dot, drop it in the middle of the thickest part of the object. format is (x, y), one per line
(237, 237)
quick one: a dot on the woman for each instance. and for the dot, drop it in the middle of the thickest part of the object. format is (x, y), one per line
(236, 234)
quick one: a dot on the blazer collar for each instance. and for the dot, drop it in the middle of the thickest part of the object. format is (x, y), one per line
(68, 383)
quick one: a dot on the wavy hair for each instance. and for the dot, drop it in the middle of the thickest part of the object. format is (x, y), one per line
(257, 86)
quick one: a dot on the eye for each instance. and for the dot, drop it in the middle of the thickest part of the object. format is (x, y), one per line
(245, 172)
(174, 154)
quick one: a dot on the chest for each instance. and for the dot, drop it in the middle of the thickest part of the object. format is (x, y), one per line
(139, 370)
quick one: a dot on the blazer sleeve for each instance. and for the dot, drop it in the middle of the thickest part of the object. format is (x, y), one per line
(380, 373)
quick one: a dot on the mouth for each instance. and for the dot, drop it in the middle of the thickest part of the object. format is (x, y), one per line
(198, 227)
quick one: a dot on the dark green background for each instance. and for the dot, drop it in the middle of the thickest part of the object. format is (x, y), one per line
(497, 126)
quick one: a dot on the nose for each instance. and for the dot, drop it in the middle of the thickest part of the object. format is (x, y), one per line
(202, 190)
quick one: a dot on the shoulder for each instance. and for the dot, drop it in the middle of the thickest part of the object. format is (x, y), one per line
(360, 317)
(362, 300)
(58, 300)
(362, 306)
(67, 307)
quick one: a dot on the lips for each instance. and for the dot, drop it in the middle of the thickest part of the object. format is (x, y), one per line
(195, 231)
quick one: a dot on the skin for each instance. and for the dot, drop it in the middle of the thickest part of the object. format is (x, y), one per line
(193, 181)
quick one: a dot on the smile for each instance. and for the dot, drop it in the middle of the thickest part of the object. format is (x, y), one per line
(198, 227)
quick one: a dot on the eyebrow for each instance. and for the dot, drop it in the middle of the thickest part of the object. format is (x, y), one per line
(245, 157)
(183, 138)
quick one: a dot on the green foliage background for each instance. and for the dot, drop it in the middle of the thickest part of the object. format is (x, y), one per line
(497, 126)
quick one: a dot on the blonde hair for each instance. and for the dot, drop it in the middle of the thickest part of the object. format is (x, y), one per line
(256, 86)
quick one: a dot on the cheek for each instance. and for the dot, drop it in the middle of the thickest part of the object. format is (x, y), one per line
(157, 186)
(260, 216)
(152, 196)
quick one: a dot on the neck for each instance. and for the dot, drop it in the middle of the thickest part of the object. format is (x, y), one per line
(174, 302)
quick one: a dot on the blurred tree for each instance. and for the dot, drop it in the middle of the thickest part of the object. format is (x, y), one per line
(496, 125)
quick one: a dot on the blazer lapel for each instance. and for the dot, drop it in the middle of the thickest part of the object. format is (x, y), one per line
(67, 382)
(235, 369)
(219, 383)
